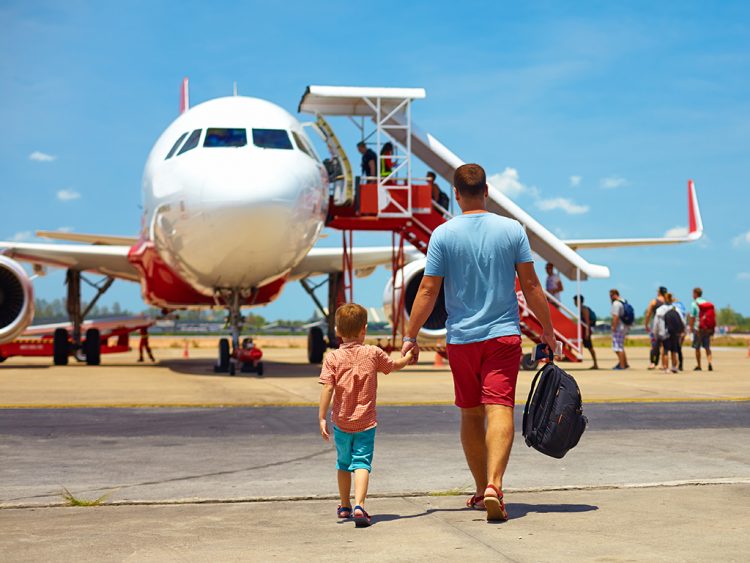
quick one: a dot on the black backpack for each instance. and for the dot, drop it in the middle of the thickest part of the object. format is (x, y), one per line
(553, 420)
(673, 322)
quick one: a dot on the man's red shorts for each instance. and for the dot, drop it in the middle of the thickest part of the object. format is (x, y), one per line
(485, 373)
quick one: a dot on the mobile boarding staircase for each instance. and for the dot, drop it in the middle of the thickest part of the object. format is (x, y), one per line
(395, 201)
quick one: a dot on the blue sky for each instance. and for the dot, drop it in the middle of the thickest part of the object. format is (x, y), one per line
(595, 115)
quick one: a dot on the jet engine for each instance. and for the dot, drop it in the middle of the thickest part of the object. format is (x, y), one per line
(412, 274)
(16, 300)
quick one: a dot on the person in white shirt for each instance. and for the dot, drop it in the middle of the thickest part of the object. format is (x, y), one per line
(553, 283)
(619, 329)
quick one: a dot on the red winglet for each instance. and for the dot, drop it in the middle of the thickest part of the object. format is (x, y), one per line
(184, 96)
(695, 223)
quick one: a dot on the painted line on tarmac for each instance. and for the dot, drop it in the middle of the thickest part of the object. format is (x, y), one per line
(409, 494)
(219, 405)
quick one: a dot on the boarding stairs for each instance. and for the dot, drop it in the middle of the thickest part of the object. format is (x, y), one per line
(403, 205)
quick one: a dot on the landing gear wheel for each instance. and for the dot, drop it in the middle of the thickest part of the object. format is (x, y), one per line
(222, 364)
(259, 369)
(2, 359)
(528, 363)
(60, 347)
(92, 346)
(316, 345)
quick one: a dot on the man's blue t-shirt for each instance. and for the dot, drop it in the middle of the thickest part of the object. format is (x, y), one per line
(476, 255)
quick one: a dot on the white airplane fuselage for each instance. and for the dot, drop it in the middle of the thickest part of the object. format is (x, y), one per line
(241, 208)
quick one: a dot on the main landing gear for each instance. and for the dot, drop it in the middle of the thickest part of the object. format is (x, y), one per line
(244, 356)
(84, 349)
(318, 339)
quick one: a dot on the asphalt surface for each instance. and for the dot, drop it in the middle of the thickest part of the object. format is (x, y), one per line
(251, 453)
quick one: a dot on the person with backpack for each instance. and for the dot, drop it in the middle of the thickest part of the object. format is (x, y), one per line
(668, 328)
(623, 317)
(705, 313)
(655, 303)
(588, 317)
(682, 310)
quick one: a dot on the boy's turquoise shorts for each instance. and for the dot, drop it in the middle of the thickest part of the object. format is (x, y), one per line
(354, 449)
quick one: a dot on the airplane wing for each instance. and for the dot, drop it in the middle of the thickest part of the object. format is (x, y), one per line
(108, 260)
(330, 260)
(694, 230)
(89, 239)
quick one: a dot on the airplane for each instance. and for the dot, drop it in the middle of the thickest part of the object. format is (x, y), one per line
(235, 197)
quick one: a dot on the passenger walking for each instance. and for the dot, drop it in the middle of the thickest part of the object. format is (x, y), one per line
(588, 318)
(477, 256)
(675, 331)
(553, 283)
(682, 310)
(702, 327)
(622, 318)
(350, 377)
(647, 322)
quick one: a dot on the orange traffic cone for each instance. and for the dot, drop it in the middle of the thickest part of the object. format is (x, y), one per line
(185, 352)
(439, 362)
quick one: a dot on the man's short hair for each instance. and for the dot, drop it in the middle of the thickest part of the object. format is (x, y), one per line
(614, 292)
(470, 180)
(350, 320)
(578, 298)
(698, 291)
(361, 144)
(431, 174)
(662, 291)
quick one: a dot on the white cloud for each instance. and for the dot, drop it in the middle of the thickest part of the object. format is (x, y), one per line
(508, 182)
(39, 156)
(613, 182)
(67, 195)
(22, 236)
(742, 239)
(575, 181)
(563, 204)
(744, 276)
(677, 232)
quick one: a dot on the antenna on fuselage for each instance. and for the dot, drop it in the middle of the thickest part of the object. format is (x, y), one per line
(235, 88)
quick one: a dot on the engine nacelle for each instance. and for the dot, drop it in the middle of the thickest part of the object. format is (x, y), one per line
(413, 272)
(16, 300)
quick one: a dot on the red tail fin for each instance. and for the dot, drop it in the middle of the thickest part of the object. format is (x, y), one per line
(695, 223)
(184, 96)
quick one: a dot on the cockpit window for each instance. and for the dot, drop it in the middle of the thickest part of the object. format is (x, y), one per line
(272, 139)
(302, 145)
(192, 142)
(216, 137)
(175, 146)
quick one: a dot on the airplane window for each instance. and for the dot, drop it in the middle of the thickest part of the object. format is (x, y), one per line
(192, 142)
(301, 144)
(174, 147)
(216, 137)
(272, 139)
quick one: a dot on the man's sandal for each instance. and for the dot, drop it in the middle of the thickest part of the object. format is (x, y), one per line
(361, 518)
(476, 502)
(495, 506)
(344, 511)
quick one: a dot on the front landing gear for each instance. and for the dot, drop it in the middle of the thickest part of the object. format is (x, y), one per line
(244, 358)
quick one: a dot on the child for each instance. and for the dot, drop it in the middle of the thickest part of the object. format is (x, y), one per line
(350, 377)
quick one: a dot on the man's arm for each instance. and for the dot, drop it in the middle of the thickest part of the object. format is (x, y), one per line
(325, 401)
(649, 312)
(536, 300)
(559, 285)
(586, 322)
(615, 321)
(371, 166)
(424, 303)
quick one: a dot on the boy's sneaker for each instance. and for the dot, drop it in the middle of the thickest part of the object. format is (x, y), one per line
(361, 518)
(710, 367)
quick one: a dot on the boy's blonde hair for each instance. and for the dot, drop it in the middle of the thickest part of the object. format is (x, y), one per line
(350, 320)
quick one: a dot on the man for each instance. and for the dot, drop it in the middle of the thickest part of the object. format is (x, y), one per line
(553, 283)
(588, 325)
(369, 160)
(652, 307)
(439, 197)
(703, 329)
(477, 255)
(143, 345)
(619, 329)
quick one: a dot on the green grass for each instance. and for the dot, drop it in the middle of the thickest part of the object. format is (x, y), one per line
(72, 500)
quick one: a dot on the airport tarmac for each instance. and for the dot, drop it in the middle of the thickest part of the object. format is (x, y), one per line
(206, 466)
(290, 380)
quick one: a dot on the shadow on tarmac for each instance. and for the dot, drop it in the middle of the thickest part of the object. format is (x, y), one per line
(205, 366)
(515, 511)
